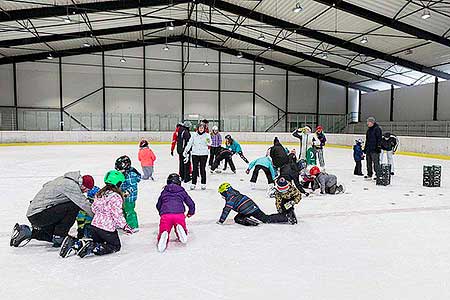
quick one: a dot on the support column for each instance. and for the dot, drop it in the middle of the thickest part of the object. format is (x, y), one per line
(254, 97)
(61, 105)
(436, 99)
(317, 102)
(182, 81)
(286, 107)
(346, 100)
(391, 112)
(145, 88)
(104, 91)
(15, 96)
(219, 94)
(359, 105)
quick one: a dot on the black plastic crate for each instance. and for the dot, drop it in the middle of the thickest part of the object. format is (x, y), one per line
(432, 176)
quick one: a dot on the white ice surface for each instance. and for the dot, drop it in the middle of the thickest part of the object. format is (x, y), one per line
(375, 243)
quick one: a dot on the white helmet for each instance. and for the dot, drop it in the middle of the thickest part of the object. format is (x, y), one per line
(215, 128)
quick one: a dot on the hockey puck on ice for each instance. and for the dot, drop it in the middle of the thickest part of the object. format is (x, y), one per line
(242, 179)
(366, 189)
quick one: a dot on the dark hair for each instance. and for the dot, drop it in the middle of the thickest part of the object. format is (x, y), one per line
(109, 187)
(205, 121)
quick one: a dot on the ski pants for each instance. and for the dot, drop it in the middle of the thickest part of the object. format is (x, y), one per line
(319, 156)
(53, 221)
(358, 168)
(169, 221)
(148, 172)
(184, 169)
(265, 170)
(213, 153)
(241, 155)
(130, 214)
(199, 161)
(261, 216)
(106, 241)
(331, 189)
(373, 162)
(389, 156)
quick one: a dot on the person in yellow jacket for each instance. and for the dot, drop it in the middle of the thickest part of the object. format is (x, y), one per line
(286, 196)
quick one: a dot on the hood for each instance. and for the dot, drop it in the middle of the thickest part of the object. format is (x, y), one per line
(74, 175)
(276, 141)
(173, 188)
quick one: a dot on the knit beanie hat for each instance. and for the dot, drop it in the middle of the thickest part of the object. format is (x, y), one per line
(87, 181)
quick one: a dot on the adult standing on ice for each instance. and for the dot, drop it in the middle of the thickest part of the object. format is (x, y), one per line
(182, 139)
(372, 147)
(278, 154)
(306, 138)
(53, 210)
(199, 143)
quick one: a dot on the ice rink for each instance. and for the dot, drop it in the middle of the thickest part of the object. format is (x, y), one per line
(371, 243)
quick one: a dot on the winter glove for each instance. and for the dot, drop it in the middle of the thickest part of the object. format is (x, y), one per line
(247, 171)
(127, 229)
(306, 194)
(378, 149)
(91, 193)
(289, 204)
(189, 215)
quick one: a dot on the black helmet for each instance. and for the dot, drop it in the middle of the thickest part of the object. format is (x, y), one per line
(387, 135)
(123, 163)
(143, 143)
(228, 137)
(174, 178)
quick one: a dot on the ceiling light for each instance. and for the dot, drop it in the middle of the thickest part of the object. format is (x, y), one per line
(240, 55)
(206, 63)
(298, 7)
(171, 27)
(324, 55)
(86, 44)
(262, 68)
(49, 56)
(261, 37)
(67, 20)
(166, 48)
(123, 60)
(426, 14)
(364, 40)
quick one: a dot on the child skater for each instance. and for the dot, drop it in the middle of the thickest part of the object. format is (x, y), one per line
(83, 219)
(130, 190)
(171, 209)
(216, 142)
(147, 159)
(286, 196)
(318, 143)
(245, 208)
(358, 156)
(265, 164)
(235, 147)
(223, 154)
(108, 216)
(326, 182)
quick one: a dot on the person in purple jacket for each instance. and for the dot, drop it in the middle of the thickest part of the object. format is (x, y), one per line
(216, 142)
(171, 209)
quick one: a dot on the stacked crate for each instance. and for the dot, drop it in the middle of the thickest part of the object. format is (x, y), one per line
(384, 177)
(432, 176)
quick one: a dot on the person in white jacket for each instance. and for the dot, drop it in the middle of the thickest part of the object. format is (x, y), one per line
(198, 143)
(306, 138)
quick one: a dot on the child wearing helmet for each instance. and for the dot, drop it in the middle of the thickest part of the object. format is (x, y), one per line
(223, 154)
(83, 219)
(358, 156)
(246, 208)
(216, 142)
(235, 147)
(286, 196)
(108, 217)
(318, 142)
(171, 207)
(147, 159)
(326, 182)
(130, 190)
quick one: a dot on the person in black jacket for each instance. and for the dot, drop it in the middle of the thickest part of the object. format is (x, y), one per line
(278, 154)
(223, 154)
(389, 145)
(183, 138)
(372, 147)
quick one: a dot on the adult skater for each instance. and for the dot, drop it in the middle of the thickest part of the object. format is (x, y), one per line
(223, 154)
(318, 142)
(372, 147)
(305, 137)
(199, 143)
(278, 154)
(54, 209)
(175, 138)
(235, 147)
(182, 139)
(216, 143)
(389, 145)
(246, 208)
(262, 164)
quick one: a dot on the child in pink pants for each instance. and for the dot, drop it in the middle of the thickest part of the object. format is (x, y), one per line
(171, 208)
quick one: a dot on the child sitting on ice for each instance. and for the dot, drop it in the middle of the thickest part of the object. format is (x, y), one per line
(171, 209)
(286, 196)
(246, 208)
(83, 219)
(326, 182)
(129, 189)
(108, 216)
(147, 159)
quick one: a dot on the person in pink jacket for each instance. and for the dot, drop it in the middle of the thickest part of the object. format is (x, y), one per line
(147, 159)
(108, 217)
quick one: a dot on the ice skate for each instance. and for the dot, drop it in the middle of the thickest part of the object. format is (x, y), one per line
(20, 236)
(69, 247)
(192, 187)
(234, 171)
(340, 189)
(203, 186)
(271, 192)
(218, 171)
(182, 236)
(163, 240)
(86, 248)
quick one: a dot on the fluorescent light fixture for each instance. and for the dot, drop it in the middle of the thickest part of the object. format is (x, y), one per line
(426, 14)
(324, 55)
(171, 27)
(206, 63)
(298, 7)
(262, 68)
(364, 40)
(123, 60)
(50, 56)
(261, 37)
(86, 44)
(166, 48)
(240, 55)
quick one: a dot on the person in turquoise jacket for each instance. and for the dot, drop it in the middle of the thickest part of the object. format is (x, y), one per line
(235, 147)
(265, 164)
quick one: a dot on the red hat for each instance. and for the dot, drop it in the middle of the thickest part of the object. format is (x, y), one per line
(87, 181)
(319, 128)
(314, 171)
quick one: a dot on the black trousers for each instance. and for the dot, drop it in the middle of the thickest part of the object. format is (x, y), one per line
(373, 162)
(241, 154)
(56, 220)
(213, 152)
(358, 168)
(184, 169)
(261, 216)
(227, 159)
(199, 161)
(256, 172)
(107, 241)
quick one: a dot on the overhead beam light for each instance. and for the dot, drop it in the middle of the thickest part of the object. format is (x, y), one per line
(166, 48)
(240, 55)
(123, 60)
(324, 55)
(50, 56)
(206, 63)
(262, 68)
(261, 37)
(426, 14)
(67, 20)
(364, 40)
(86, 44)
(298, 7)
(171, 27)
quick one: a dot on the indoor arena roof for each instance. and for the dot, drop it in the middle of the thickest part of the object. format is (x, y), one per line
(365, 44)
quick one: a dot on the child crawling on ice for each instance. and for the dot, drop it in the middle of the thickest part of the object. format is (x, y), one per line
(171, 209)
(245, 208)
(326, 182)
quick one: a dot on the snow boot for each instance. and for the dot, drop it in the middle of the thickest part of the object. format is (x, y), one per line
(86, 248)
(163, 240)
(182, 236)
(20, 236)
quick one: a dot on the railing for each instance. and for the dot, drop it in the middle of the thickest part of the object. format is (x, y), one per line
(407, 128)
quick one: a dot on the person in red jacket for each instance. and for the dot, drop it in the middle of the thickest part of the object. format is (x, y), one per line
(147, 159)
(174, 138)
